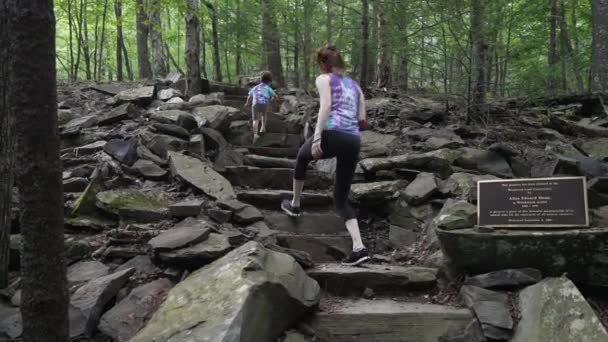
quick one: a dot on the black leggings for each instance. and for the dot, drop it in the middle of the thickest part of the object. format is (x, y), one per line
(345, 147)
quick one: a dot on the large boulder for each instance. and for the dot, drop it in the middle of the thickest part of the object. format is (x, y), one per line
(377, 192)
(456, 214)
(596, 148)
(198, 255)
(131, 314)
(216, 117)
(375, 144)
(555, 310)
(201, 176)
(132, 204)
(88, 302)
(580, 253)
(125, 151)
(142, 96)
(438, 162)
(252, 294)
(484, 161)
(120, 113)
(421, 189)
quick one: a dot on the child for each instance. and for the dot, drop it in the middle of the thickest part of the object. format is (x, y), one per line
(259, 99)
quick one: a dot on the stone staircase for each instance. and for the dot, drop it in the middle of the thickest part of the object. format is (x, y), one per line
(373, 302)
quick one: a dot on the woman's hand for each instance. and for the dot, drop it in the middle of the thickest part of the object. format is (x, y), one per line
(317, 152)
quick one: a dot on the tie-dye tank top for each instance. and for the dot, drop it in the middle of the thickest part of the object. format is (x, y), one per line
(344, 105)
(261, 94)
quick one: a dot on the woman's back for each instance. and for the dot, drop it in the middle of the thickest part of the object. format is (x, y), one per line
(344, 104)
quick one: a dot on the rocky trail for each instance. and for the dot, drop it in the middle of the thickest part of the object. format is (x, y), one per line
(174, 231)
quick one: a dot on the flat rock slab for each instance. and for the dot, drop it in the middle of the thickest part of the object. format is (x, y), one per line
(198, 255)
(88, 302)
(274, 179)
(132, 204)
(554, 310)
(580, 253)
(150, 170)
(375, 144)
(201, 176)
(274, 198)
(505, 278)
(168, 116)
(377, 192)
(308, 223)
(251, 295)
(388, 321)
(125, 319)
(341, 279)
(179, 237)
(421, 189)
(84, 271)
(142, 264)
(270, 162)
(191, 207)
(141, 96)
(321, 248)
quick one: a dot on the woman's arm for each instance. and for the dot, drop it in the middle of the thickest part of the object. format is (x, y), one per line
(361, 116)
(323, 85)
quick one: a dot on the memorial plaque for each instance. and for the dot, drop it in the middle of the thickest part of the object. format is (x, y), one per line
(538, 202)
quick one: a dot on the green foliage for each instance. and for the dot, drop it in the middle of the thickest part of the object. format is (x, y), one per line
(428, 39)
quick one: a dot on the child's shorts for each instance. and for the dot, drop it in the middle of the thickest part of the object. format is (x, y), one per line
(258, 109)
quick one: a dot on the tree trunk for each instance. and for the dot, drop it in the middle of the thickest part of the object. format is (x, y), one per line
(103, 38)
(383, 66)
(478, 89)
(85, 45)
(552, 82)
(7, 144)
(364, 43)
(238, 63)
(296, 49)
(33, 94)
(503, 77)
(70, 41)
(159, 62)
(125, 55)
(599, 46)
(328, 21)
(203, 50)
(119, 39)
(306, 43)
(569, 51)
(272, 46)
(143, 30)
(193, 47)
(216, 41)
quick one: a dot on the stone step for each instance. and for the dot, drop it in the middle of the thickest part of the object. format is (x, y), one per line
(278, 152)
(273, 198)
(269, 162)
(321, 248)
(309, 223)
(385, 320)
(344, 280)
(273, 178)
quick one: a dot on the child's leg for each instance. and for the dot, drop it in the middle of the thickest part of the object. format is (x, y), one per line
(256, 121)
(264, 115)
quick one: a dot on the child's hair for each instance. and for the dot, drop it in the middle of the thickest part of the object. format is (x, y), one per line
(266, 77)
(328, 58)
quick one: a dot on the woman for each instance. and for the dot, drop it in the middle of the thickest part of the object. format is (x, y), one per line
(341, 114)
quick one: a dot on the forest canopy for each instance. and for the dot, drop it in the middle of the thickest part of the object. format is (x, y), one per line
(425, 44)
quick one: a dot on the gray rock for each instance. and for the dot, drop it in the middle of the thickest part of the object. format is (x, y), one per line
(273, 179)
(438, 162)
(150, 170)
(176, 100)
(220, 216)
(170, 116)
(269, 162)
(294, 336)
(12, 326)
(435, 143)
(162, 144)
(472, 294)
(456, 214)
(198, 255)
(197, 146)
(179, 237)
(470, 333)
(142, 264)
(505, 278)
(554, 310)
(495, 314)
(388, 321)
(125, 151)
(132, 204)
(75, 184)
(88, 302)
(341, 279)
(144, 153)
(91, 148)
(596, 148)
(401, 237)
(85, 271)
(321, 248)
(201, 176)
(272, 197)
(375, 144)
(142, 96)
(421, 189)
(463, 186)
(186, 208)
(169, 93)
(118, 114)
(424, 115)
(187, 121)
(173, 130)
(314, 223)
(125, 319)
(215, 117)
(485, 162)
(74, 126)
(226, 297)
(88, 223)
(377, 192)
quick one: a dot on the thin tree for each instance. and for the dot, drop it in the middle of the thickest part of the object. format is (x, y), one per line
(159, 62)
(478, 87)
(143, 30)
(383, 72)
(216, 41)
(328, 21)
(100, 64)
(599, 45)
(570, 54)
(364, 43)
(271, 43)
(33, 94)
(552, 57)
(119, 39)
(6, 148)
